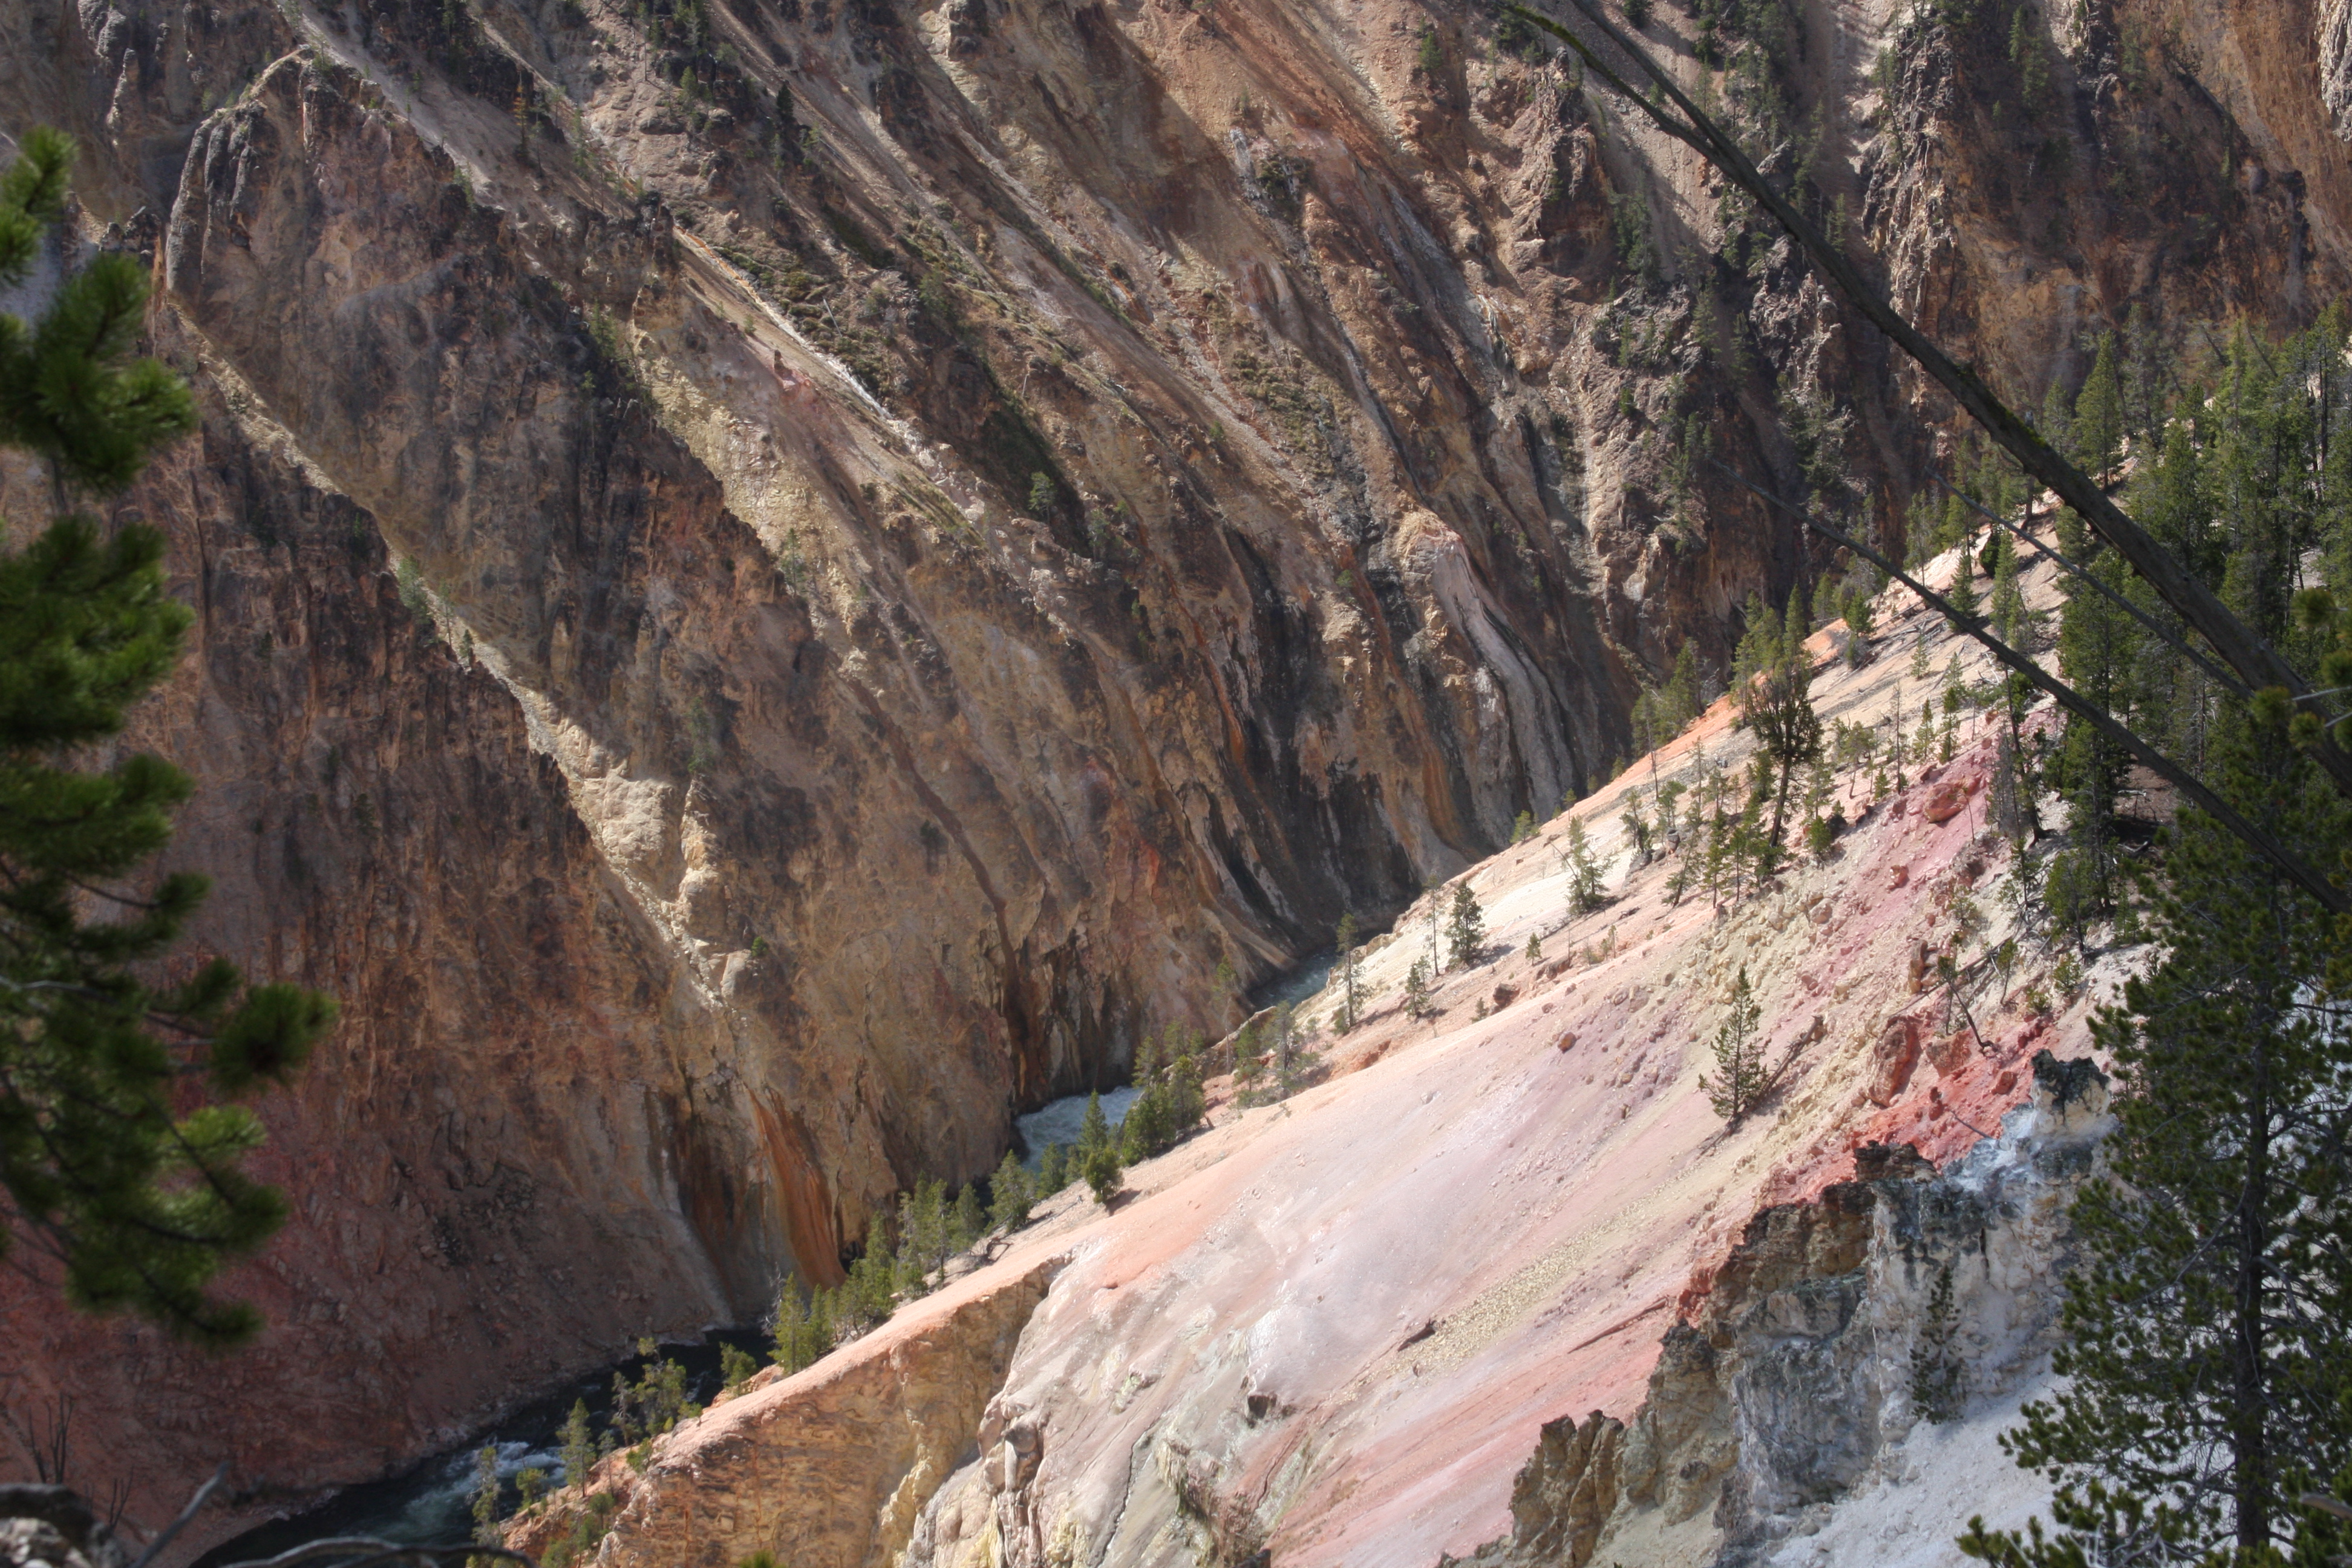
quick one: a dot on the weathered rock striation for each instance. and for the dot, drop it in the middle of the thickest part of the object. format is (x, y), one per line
(778, 579)
(1333, 1330)
(838, 1459)
(1821, 1346)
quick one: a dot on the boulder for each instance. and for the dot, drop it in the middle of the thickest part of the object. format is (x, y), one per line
(1896, 1057)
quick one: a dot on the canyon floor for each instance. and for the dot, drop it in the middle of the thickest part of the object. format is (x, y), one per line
(1334, 1329)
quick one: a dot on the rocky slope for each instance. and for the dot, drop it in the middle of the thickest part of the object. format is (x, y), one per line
(922, 529)
(1507, 1279)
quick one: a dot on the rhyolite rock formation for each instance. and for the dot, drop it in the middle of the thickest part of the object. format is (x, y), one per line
(776, 580)
(1504, 1284)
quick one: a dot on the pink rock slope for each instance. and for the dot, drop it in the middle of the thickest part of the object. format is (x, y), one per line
(1331, 1328)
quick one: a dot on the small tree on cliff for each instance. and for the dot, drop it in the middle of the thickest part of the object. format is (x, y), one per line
(1094, 1127)
(122, 1154)
(1586, 889)
(802, 1330)
(1776, 702)
(1097, 1153)
(1351, 1004)
(1465, 925)
(1249, 1062)
(970, 1220)
(484, 1504)
(578, 1446)
(1740, 1080)
(1008, 1194)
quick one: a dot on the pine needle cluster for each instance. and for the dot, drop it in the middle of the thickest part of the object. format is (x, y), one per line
(123, 1152)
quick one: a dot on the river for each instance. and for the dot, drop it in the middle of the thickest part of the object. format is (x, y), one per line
(433, 1502)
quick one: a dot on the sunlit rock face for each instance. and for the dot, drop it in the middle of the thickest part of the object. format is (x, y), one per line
(749, 637)
(1504, 1284)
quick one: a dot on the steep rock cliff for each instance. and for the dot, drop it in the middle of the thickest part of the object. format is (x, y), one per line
(1333, 1330)
(939, 524)
(1834, 1329)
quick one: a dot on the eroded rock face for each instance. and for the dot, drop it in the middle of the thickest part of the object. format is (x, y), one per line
(1817, 1345)
(838, 1460)
(1333, 1330)
(921, 568)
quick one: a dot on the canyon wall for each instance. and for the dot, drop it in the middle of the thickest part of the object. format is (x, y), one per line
(778, 580)
(1505, 1284)
(1903, 1298)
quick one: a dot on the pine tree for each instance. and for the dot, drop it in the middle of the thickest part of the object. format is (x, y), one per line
(1777, 704)
(1586, 889)
(2206, 1369)
(1053, 1170)
(1008, 1194)
(970, 1220)
(1287, 1063)
(1188, 1101)
(2097, 643)
(2056, 423)
(1249, 1063)
(1465, 925)
(1094, 1129)
(2008, 623)
(2009, 795)
(1857, 613)
(793, 1344)
(1636, 827)
(1682, 696)
(1759, 641)
(872, 1284)
(1349, 1001)
(1962, 594)
(1416, 990)
(484, 1504)
(1715, 861)
(2098, 424)
(121, 1155)
(577, 1448)
(1103, 1172)
(1740, 1080)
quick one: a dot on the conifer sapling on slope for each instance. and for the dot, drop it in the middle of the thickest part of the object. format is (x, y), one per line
(105, 1163)
(578, 1446)
(484, 1504)
(1740, 1080)
(970, 1220)
(1349, 1004)
(1586, 891)
(1249, 1061)
(1465, 925)
(1097, 1153)
(1008, 1194)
